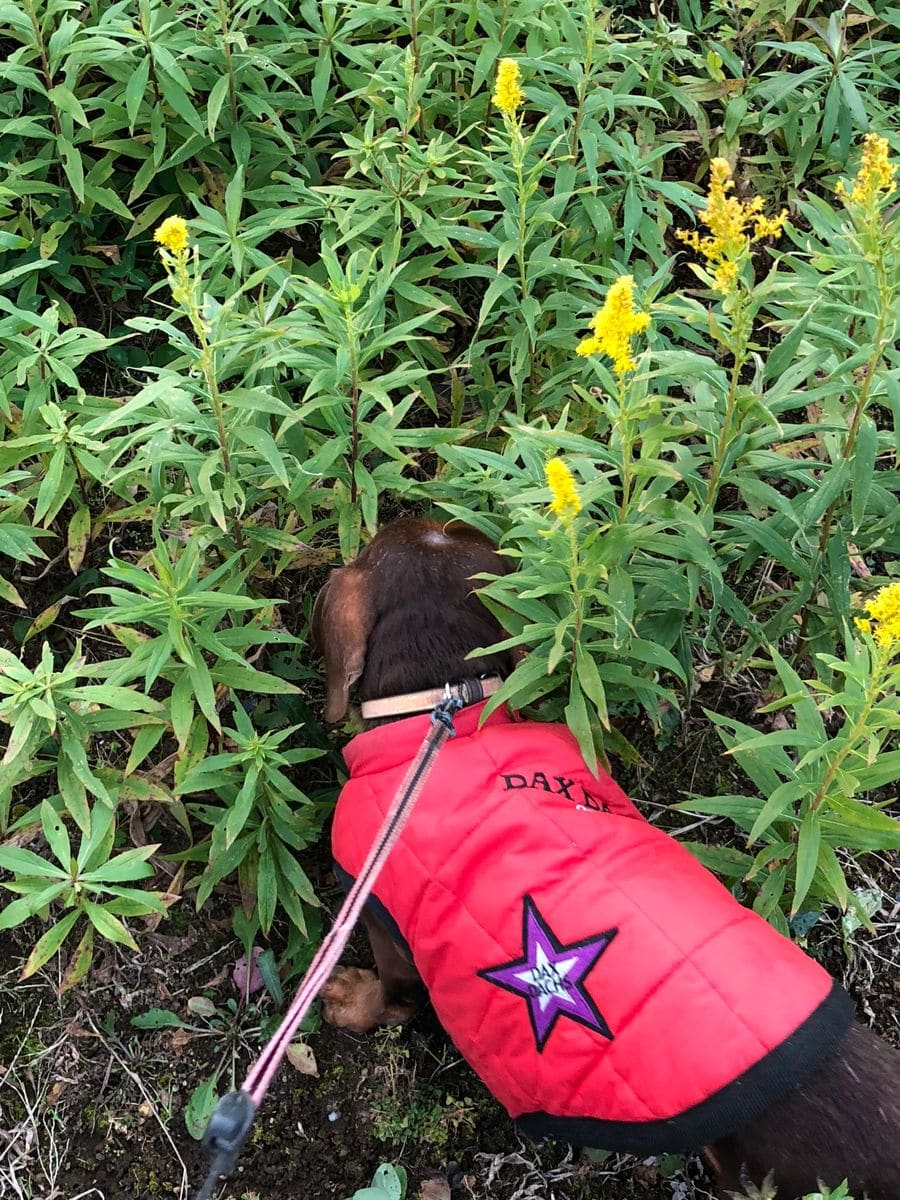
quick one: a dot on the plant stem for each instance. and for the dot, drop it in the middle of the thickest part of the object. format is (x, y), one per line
(517, 148)
(725, 433)
(226, 42)
(589, 20)
(207, 366)
(574, 571)
(354, 400)
(54, 112)
(860, 408)
(626, 440)
(78, 476)
(857, 728)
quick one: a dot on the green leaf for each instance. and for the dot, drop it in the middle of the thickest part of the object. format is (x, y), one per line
(204, 691)
(864, 455)
(9, 595)
(854, 815)
(770, 893)
(778, 803)
(809, 719)
(26, 863)
(294, 874)
(49, 944)
(56, 834)
(579, 723)
(129, 865)
(833, 874)
(135, 90)
(146, 739)
(242, 806)
(214, 104)
(49, 497)
(80, 962)
(107, 925)
(200, 1106)
(248, 679)
(591, 683)
(67, 102)
(74, 169)
(158, 1018)
(722, 860)
(807, 858)
(27, 906)
(77, 537)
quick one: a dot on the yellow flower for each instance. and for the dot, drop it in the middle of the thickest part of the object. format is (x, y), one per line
(560, 481)
(733, 227)
(876, 173)
(883, 615)
(614, 325)
(173, 234)
(508, 96)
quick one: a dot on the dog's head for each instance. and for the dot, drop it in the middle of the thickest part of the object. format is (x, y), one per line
(403, 616)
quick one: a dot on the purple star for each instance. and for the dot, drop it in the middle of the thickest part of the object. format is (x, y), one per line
(551, 976)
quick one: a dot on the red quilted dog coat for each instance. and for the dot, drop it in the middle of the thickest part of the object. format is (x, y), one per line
(604, 985)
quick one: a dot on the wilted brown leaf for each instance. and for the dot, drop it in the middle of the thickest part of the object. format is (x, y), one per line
(302, 1059)
(434, 1189)
(112, 252)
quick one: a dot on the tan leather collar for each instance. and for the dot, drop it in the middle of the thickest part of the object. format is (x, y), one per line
(413, 702)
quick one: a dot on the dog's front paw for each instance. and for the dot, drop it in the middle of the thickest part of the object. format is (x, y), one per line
(353, 999)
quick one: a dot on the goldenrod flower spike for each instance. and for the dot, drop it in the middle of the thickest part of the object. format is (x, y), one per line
(561, 482)
(876, 173)
(508, 95)
(173, 234)
(728, 221)
(614, 325)
(883, 621)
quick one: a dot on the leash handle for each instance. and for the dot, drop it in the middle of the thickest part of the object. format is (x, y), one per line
(230, 1123)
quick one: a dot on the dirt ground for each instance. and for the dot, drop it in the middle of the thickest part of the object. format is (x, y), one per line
(94, 1107)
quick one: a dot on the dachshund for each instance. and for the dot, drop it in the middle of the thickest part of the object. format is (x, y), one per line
(404, 618)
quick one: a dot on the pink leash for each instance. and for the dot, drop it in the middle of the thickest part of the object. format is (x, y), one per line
(230, 1123)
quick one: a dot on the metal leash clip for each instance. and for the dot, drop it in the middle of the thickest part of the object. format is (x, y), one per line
(444, 709)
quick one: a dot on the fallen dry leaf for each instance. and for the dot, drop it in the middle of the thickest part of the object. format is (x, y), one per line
(201, 1006)
(434, 1189)
(112, 252)
(302, 1059)
(55, 1092)
(858, 563)
(179, 1038)
(217, 980)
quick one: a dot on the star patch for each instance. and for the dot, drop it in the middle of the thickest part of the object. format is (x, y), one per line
(550, 976)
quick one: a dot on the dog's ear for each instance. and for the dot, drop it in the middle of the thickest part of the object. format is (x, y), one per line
(343, 617)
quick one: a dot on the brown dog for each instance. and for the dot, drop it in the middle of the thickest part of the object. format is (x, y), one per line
(403, 618)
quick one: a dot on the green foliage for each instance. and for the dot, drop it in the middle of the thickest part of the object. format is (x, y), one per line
(409, 1109)
(808, 780)
(768, 1192)
(227, 1029)
(85, 885)
(388, 1183)
(378, 312)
